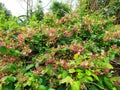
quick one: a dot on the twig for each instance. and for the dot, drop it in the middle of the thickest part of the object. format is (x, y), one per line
(98, 86)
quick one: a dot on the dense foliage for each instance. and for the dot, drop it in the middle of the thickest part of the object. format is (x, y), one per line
(60, 9)
(4, 11)
(79, 51)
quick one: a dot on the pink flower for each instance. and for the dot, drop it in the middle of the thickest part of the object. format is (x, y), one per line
(29, 50)
(116, 35)
(1, 43)
(25, 54)
(36, 72)
(20, 37)
(114, 47)
(52, 32)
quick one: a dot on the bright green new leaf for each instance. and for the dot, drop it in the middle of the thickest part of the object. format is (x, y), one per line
(75, 85)
(67, 80)
(51, 89)
(42, 87)
(0, 86)
(71, 70)
(63, 75)
(80, 75)
(88, 72)
(76, 56)
(107, 65)
(95, 76)
(90, 78)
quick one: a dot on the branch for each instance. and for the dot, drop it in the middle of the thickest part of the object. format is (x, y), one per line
(98, 86)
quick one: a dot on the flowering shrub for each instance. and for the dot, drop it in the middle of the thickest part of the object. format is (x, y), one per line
(72, 53)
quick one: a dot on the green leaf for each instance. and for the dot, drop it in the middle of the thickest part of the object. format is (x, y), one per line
(113, 79)
(106, 60)
(107, 65)
(67, 80)
(10, 67)
(63, 75)
(93, 87)
(114, 88)
(4, 50)
(112, 57)
(76, 56)
(8, 79)
(100, 82)
(51, 89)
(1, 87)
(29, 67)
(42, 87)
(15, 52)
(89, 78)
(95, 76)
(75, 85)
(88, 72)
(71, 70)
(9, 51)
(80, 75)
(108, 83)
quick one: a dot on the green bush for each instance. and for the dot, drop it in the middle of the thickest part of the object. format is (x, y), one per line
(75, 52)
(60, 9)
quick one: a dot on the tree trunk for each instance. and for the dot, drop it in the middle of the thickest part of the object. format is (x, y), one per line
(94, 5)
(117, 21)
